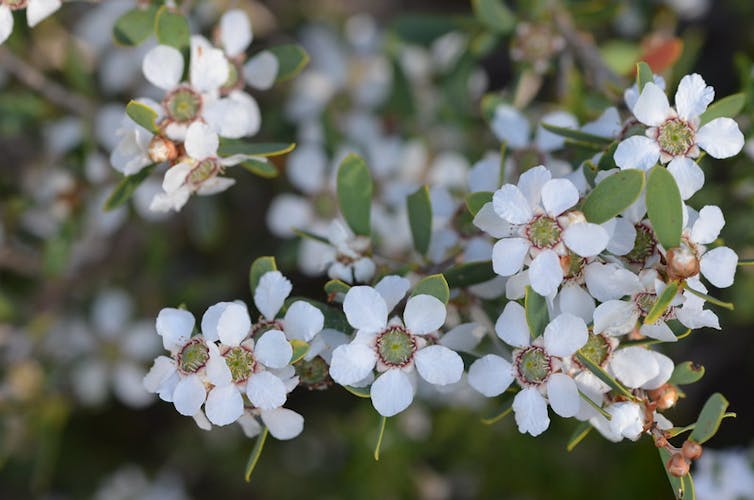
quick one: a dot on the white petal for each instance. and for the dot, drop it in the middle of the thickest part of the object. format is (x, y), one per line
(392, 393)
(531, 412)
(721, 138)
(209, 69)
(217, 370)
(235, 32)
(488, 221)
(201, 141)
(439, 365)
(273, 350)
(6, 23)
(510, 126)
(306, 168)
(491, 375)
(175, 327)
(234, 324)
(351, 363)
(687, 175)
(287, 212)
(303, 321)
(511, 325)
(707, 227)
(234, 116)
(659, 331)
(693, 96)
(627, 419)
(608, 124)
(249, 425)
(558, 195)
(163, 67)
(508, 255)
(637, 152)
(565, 335)
(464, 337)
(210, 318)
(511, 205)
(610, 281)
(586, 239)
(652, 107)
(576, 300)
(224, 405)
(563, 395)
(162, 369)
(189, 395)
(545, 273)
(201, 421)
(261, 70)
(622, 235)
(271, 292)
(634, 366)
(424, 314)
(719, 266)
(666, 370)
(550, 141)
(365, 309)
(531, 183)
(266, 391)
(175, 177)
(615, 317)
(392, 288)
(283, 423)
(37, 10)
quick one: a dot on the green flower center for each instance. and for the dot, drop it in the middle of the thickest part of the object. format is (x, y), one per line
(597, 349)
(313, 374)
(241, 363)
(645, 301)
(193, 356)
(533, 366)
(675, 137)
(205, 169)
(644, 245)
(182, 105)
(543, 232)
(396, 347)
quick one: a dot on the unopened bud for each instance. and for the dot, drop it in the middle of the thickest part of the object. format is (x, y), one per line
(574, 217)
(682, 263)
(162, 149)
(691, 450)
(678, 465)
(665, 396)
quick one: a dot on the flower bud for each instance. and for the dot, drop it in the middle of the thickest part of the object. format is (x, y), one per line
(665, 396)
(691, 450)
(678, 465)
(162, 149)
(682, 263)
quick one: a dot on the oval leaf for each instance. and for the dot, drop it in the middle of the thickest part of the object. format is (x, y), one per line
(475, 201)
(709, 419)
(434, 285)
(577, 135)
(727, 107)
(685, 373)
(664, 207)
(260, 168)
(230, 147)
(172, 29)
(355, 193)
(537, 315)
(143, 115)
(259, 267)
(292, 58)
(613, 195)
(126, 188)
(134, 26)
(494, 14)
(644, 75)
(662, 303)
(420, 218)
(468, 274)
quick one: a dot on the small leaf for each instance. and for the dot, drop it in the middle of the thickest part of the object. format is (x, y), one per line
(712, 300)
(300, 348)
(256, 453)
(662, 303)
(664, 207)
(355, 193)
(727, 107)
(230, 147)
(362, 392)
(685, 373)
(292, 58)
(537, 315)
(607, 160)
(644, 75)
(604, 376)
(126, 188)
(335, 287)
(134, 26)
(581, 431)
(475, 201)
(424, 28)
(172, 29)
(259, 268)
(613, 195)
(420, 218)
(383, 422)
(434, 285)
(312, 236)
(595, 406)
(143, 115)
(709, 419)
(468, 274)
(264, 169)
(495, 15)
(675, 482)
(577, 135)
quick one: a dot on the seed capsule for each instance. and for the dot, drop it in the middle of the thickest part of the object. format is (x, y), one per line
(691, 450)
(682, 263)
(678, 465)
(665, 396)
(162, 149)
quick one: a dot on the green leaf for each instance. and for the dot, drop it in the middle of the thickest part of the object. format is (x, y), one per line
(727, 107)
(256, 453)
(710, 299)
(259, 268)
(607, 160)
(662, 303)
(355, 193)
(229, 147)
(709, 419)
(292, 58)
(420, 218)
(336, 287)
(126, 188)
(537, 316)
(475, 201)
(604, 376)
(644, 75)
(489, 104)
(311, 236)
(134, 26)
(383, 422)
(685, 373)
(172, 29)
(423, 28)
(664, 207)
(471, 273)
(579, 433)
(495, 15)
(362, 392)
(143, 115)
(613, 195)
(577, 135)
(675, 482)
(260, 168)
(300, 348)
(434, 285)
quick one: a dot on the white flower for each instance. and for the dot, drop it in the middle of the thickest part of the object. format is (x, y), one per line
(674, 135)
(36, 11)
(131, 153)
(394, 348)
